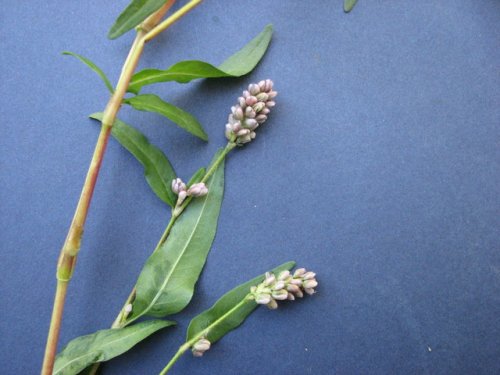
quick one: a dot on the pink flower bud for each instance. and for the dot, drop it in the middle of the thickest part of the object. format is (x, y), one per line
(197, 190)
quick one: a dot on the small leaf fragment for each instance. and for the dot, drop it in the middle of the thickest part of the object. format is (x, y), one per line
(198, 175)
(153, 103)
(158, 171)
(103, 345)
(225, 315)
(349, 4)
(136, 12)
(237, 65)
(94, 67)
(166, 283)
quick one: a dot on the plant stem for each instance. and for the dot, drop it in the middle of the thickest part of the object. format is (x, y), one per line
(71, 247)
(171, 20)
(191, 342)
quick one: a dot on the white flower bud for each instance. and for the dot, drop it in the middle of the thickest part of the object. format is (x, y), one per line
(246, 94)
(297, 282)
(241, 101)
(251, 123)
(251, 100)
(181, 197)
(273, 305)
(265, 111)
(308, 284)
(196, 353)
(309, 275)
(299, 272)
(261, 119)
(272, 94)
(128, 308)
(202, 345)
(299, 293)
(270, 278)
(197, 190)
(283, 275)
(270, 104)
(268, 85)
(262, 97)
(243, 132)
(262, 85)
(292, 288)
(309, 291)
(250, 113)
(263, 298)
(254, 89)
(178, 186)
(291, 297)
(238, 113)
(280, 295)
(280, 284)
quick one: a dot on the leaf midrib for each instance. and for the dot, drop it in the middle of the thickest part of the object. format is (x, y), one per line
(169, 275)
(109, 343)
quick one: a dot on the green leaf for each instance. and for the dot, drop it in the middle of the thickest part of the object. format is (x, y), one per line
(197, 176)
(94, 67)
(349, 4)
(136, 12)
(158, 171)
(166, 283)
(153, 103)
(241, 63)
(228, 312)
(103, 345)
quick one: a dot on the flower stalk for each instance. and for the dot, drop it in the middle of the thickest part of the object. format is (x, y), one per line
(148, 30)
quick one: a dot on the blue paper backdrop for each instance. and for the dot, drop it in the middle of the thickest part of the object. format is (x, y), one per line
(378, 169)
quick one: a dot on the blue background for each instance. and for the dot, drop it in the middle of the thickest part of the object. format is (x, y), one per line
(378, 169)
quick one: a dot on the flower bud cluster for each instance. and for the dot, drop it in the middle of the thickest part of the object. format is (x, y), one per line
(200, 347)
(252, 110)
(284, 286)
(180, 189)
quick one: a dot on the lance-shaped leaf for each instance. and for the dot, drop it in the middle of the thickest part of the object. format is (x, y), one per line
(153, 103)
(166, 283)
(349, 4)
(157, 169)
(241, 63)
(103, 345)
(94, 67)
(229, 311)
(136, 12)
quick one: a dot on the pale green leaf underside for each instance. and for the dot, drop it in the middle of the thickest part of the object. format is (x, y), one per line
(239, 64)
(102, 346)
(153, 103)
(166, 283)
(214, 322)
(158, 171)
(94, 67)
(349, 4)
(136, 12)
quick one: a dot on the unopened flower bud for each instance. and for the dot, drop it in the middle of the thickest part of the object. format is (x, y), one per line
(280, 295)
(251, 100)
(270, 278)
(241, 101)
(283, 275)
(257, 107)
(299, 294)
(196, 353)
(268, 85)
(272, 94)
(262, 85)
(246, 94)
(181, 197)
(128, 308)
(254, 89)
(261, 119)
(178, 186)
(309, 275)
(309, 291)
(265, 111)
(263, 298)
(292, 288)
(270, 104)
(197, 190)
(308, 284)
(280, 284)
(262, 97)
(251, 123)
(250, 113)
(299, 272)
(291, 297)
(238, 113)
(202, 345)
(273, 305)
